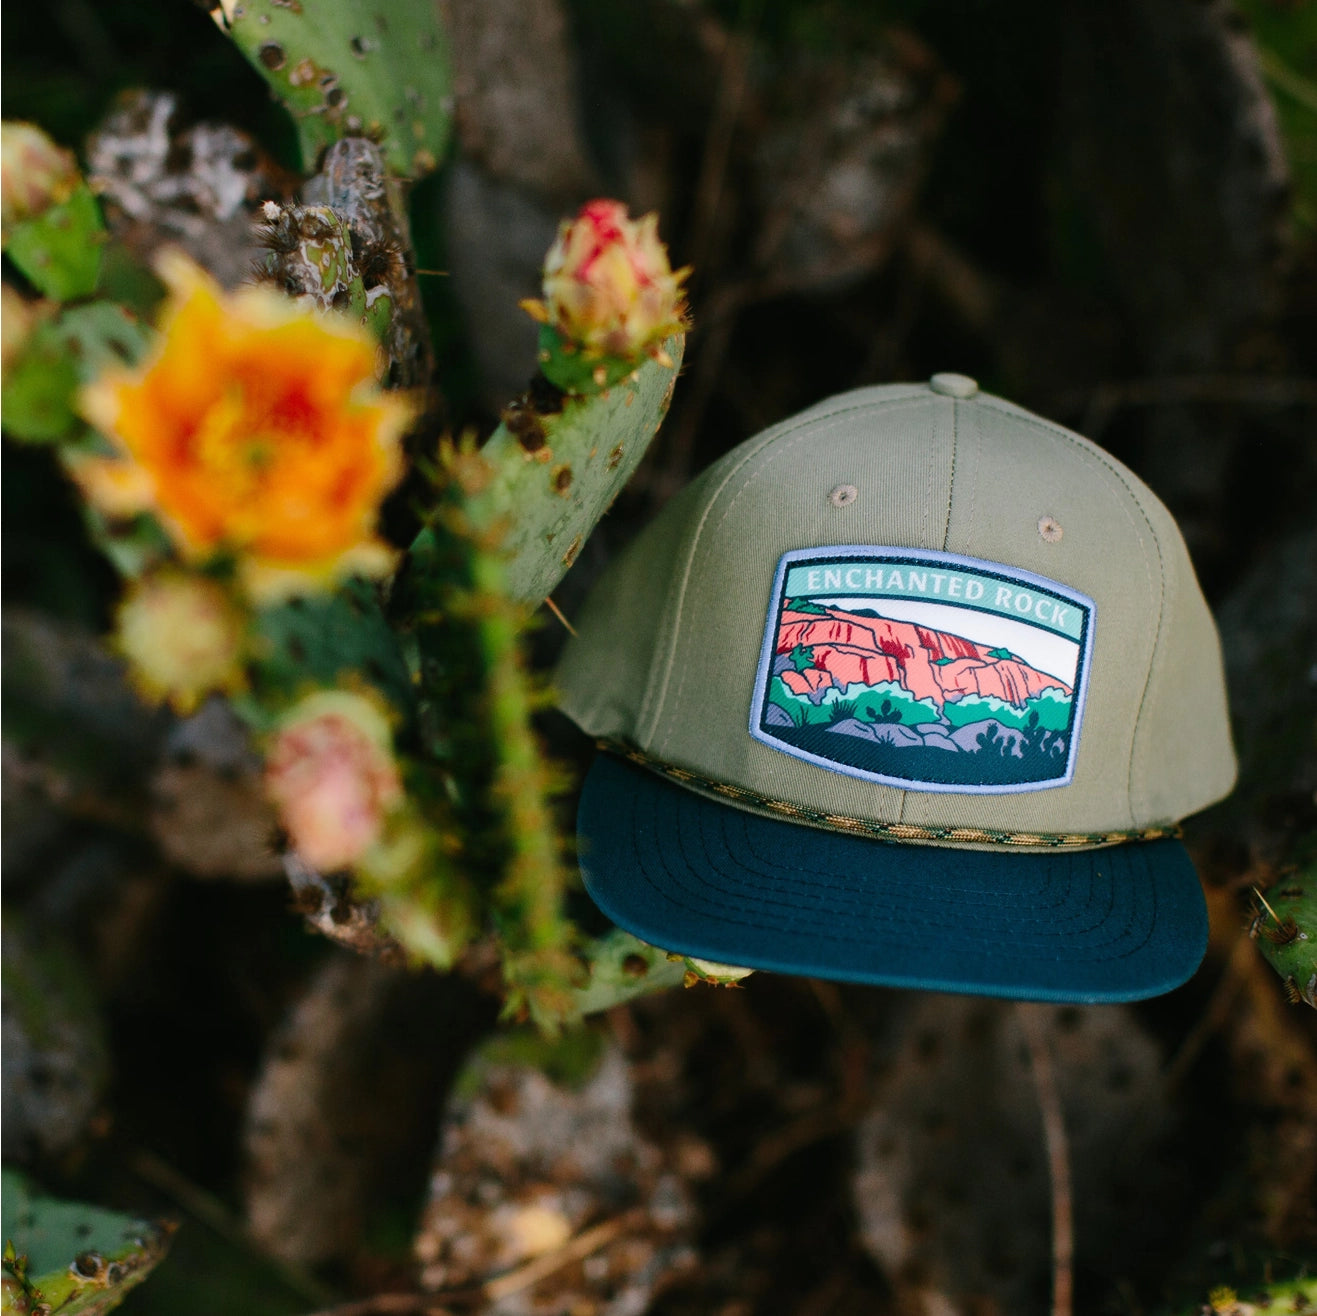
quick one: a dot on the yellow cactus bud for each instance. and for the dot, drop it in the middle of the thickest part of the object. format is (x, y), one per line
(183, 638)
(35, 174)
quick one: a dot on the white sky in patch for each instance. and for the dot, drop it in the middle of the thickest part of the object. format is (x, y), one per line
(1054, 654)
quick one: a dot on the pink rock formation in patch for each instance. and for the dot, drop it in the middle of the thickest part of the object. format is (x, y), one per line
(851, 649)
(807, 682)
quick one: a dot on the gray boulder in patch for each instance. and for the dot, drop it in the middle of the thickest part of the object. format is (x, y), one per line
(935, 737)
(1007, 740)
(881, 733)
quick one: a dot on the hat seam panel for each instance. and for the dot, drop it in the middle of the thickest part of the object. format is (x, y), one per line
(1090, 449)
(794, 433)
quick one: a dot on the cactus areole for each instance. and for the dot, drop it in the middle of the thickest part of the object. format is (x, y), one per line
(911, 689)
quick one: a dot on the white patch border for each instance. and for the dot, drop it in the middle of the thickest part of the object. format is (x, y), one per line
(933, 558)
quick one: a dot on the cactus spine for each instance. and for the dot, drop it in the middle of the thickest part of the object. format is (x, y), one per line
(1285, 928)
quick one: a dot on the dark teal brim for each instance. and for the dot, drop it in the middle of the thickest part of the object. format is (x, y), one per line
(692, 875)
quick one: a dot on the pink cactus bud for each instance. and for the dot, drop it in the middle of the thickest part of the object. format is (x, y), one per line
(183, 638)
(18, 317)
(35, 174)
(330, 771)
(608, 286)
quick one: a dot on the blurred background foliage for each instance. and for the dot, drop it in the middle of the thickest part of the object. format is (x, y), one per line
(1106, 213)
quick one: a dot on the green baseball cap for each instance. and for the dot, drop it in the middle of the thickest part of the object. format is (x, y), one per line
(910, 689)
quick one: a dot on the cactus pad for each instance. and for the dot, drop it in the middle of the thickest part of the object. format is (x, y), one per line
(558, 463)
(58, 355)
(711, 972)
(69, 1257)
(346, 250)
(622, 968)
(354, 68)
(60, 250)
(1286, 933)
(325, 642)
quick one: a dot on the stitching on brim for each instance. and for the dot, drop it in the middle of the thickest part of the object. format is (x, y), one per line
(897, 831)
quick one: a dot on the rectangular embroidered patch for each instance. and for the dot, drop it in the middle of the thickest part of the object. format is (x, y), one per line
(924, 670)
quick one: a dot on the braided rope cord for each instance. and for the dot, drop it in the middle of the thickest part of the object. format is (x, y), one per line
(897, 831)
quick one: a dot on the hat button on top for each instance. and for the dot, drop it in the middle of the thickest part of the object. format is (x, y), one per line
(954, 386)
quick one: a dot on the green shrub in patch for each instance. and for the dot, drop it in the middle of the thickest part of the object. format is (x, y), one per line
(1051, 707)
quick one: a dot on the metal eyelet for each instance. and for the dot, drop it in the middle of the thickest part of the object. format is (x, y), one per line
(1050, 529)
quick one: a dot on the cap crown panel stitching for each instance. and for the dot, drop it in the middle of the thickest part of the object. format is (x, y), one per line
(1087, 448)
(794, 431)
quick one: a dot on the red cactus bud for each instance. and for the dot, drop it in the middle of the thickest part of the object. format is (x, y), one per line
(608, 286)
(35, 174)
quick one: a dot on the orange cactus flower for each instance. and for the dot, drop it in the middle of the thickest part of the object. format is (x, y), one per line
(255, 429)
(608, 286)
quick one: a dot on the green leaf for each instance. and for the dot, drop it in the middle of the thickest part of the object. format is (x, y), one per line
(363, 68)
(60, 250)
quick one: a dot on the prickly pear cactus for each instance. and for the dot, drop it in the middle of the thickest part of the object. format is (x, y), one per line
(1298, 1295)
(40, 376)
(613, 320)
(477, 699)
(52, 228)
(56, 1056)
(557, 462)
(346, 250)
(359, 68)
(329, 640)
(622, 967)
(60, 251)
(503, 1195)
(69, 1257)
(711, 972)
(309, 255)
(59, 350)
(1285, 928)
